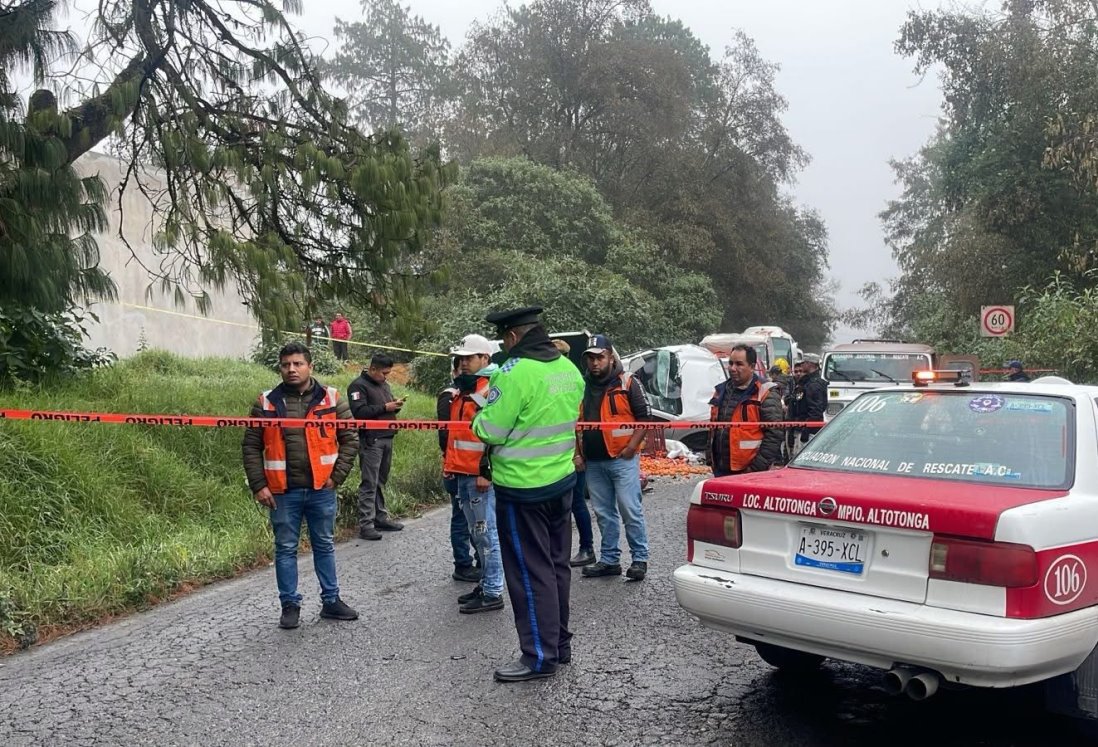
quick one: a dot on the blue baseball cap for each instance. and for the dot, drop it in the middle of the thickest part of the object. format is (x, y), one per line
(598, 344)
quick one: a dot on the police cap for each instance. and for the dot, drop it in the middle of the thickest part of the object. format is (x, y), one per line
(505, 320)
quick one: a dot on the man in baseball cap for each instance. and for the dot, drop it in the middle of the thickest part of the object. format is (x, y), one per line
(465, 461)
(611, 459)
(598, 344)
(474, 345)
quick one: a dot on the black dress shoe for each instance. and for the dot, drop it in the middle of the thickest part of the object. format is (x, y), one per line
(582, 558)
(386, 525)
(565, 658)
(516, 671)
(602, 569)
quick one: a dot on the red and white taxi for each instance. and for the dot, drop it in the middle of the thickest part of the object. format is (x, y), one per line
(944, 533)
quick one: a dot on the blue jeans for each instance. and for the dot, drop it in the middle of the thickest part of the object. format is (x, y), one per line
(460, 542)
(615, 490)
(580, 512)
(480, 515)
(318, 507)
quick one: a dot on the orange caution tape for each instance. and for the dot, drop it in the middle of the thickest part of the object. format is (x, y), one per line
(217, 421)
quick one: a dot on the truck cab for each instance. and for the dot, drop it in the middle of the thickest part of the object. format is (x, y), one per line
(853, 368)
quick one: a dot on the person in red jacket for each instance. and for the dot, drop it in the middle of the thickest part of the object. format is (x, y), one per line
(340, 332)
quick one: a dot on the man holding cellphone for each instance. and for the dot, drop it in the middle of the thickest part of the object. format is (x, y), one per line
(372, 399)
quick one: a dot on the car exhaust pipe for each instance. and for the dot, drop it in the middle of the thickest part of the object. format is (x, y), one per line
(922, 685)
(897, 679)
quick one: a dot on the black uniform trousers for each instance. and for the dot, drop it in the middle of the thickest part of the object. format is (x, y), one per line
(535, 540)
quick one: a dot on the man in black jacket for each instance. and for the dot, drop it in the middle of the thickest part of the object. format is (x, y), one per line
(815, 395)
(372, 399)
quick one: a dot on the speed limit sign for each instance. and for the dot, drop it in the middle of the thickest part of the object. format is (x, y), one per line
(996, 321)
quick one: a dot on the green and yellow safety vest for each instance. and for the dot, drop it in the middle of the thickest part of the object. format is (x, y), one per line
(529, 421)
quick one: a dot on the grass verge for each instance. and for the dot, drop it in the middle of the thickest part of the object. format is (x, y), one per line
(101, 520)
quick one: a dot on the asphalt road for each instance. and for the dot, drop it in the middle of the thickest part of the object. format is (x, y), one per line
(213, 668)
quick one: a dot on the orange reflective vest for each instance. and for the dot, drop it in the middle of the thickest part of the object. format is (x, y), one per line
(321, 442)
(744, 442)
(615, 408)
(464, 450)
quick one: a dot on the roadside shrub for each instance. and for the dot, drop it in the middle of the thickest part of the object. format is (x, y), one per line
(35, 345)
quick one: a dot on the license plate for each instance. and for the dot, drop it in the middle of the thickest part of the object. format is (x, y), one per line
(832, 549)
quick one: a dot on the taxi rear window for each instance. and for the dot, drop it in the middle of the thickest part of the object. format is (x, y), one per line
(995, 438)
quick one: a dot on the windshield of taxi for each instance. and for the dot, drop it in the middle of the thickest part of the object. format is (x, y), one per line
(888, 367)
(1018, 440)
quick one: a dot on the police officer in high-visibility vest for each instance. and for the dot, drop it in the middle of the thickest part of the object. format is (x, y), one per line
(529, 422)
(294, 472)
(465, 461)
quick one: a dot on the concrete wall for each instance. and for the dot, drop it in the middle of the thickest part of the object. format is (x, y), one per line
(227, 330)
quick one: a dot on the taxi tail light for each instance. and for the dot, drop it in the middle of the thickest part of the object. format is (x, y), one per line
(988, 563)
(714, 525)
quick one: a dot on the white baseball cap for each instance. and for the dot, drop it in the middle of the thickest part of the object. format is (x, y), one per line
(474, 345)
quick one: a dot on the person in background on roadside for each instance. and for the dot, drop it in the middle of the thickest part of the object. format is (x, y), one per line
(1016, 372)
(341, 333)
(465, 460)
(318, 333)
(294, 473)
(744, 398)
(466, 557)
(779, 374)
(372, 399)
(586, 553)
(815, 395)
(611, 460)
(794, 410)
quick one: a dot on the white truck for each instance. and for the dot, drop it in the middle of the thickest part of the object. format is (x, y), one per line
(769, 342)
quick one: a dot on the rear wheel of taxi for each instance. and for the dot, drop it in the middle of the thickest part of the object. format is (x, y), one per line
(788, 659)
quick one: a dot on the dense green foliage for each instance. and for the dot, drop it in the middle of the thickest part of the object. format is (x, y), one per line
(49, 215)
(683, 160)
(103, 519)
(522, 233)
(258, 175)
(35, 346)
(1001, 206)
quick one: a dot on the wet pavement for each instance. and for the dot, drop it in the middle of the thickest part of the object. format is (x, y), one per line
(214, 668)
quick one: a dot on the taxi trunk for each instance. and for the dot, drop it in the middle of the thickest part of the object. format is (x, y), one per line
(894, 537)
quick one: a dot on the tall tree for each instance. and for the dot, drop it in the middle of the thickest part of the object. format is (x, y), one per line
(982, 215)
(48, 214)
(394, 66)
(690, 150)
(254, 169)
